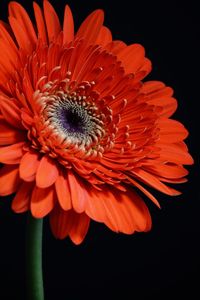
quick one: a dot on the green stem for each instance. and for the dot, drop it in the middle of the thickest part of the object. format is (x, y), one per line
(34, 258)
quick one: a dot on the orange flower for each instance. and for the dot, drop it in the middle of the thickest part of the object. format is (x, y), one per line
(79, 131)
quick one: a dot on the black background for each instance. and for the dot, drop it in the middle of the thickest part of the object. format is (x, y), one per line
(161, 264)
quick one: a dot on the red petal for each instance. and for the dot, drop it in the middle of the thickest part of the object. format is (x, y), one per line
(40, 23)
(68, 26)
(151, 86)
(90, 28)
(12, 154)
(160, 95)
(145, 69)
(28, 166)
(19, 13)
(42, 201)
(6, 36)
(47, 172)
(63, 192)
(21, 202)
(132, 57)
(116, 47)
(104, 36)
(9, 179)
(52, 21)
(8, 58)
(20, 35)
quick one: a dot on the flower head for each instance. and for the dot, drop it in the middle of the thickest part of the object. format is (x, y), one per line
(80, 132)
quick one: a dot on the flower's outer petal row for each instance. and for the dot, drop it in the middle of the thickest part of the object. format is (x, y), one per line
(52, 21)
(9, 179)
(156, 93)
(104, 37)
(11, 154)
(21, 201)
(23, 22)
(175, 154)
(41, 28)
(132, 57)
(47, 172)
(68, 26)
(11, 112)
(171, 131)
(42, 201)
(29, 165)
(10, 135)
(64, 223)
(121, 211)
(63, 191)
(154, 182)
(91, 26)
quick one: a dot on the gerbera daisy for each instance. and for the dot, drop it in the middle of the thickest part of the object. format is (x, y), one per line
(80, 132)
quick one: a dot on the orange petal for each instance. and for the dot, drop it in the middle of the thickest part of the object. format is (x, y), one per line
(171, 131)
(168, 171)
(173, 153)
(68, 26)
(11, 112)
(63, 192)
(42, 201)
(95, 208)
(47, 172)
(52, 21)
(64, 223)
(40, 23)
(77, 192)
(61, 222)
(9, 179)
(160, 95)
(90, 28)
(28, 166)
(21, 202)
(154, 182)
(133, 209)
(132, 57)
(9, 135)
(12, 154)
(142, 189)
(120, 211)
(79, 228)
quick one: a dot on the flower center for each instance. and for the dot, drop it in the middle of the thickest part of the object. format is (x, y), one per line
(74, 118)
